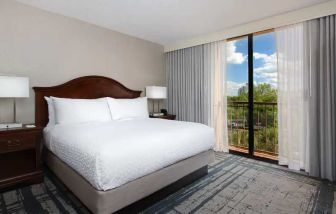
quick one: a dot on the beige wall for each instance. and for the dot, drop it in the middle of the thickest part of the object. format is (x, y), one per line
(51, 49)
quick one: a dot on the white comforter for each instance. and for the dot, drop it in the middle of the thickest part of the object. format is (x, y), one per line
(109, 154)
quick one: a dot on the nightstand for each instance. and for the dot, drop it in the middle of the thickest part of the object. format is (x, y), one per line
(167, 117)
(20, 156)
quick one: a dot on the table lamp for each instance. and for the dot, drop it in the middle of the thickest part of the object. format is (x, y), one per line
(13, 87)
(156, 93)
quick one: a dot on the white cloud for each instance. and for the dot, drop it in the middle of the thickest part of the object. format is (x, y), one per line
(232, 87)
(234, 57)
(268, 71)
(270, 63)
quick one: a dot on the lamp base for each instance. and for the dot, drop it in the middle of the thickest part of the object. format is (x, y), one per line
(156, 114)
(10, 125)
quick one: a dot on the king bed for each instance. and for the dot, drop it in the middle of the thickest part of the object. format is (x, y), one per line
(118, 164)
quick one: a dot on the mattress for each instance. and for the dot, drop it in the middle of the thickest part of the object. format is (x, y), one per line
(110, 154)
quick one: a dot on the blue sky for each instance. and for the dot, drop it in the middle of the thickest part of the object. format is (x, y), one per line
(264, 63)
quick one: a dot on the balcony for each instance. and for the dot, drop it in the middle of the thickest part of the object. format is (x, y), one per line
(265, 128)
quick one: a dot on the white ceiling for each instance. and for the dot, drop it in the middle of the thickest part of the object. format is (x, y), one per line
(167, 21)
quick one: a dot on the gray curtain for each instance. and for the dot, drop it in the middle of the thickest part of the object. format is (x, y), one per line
(319, 62)
(189, 84)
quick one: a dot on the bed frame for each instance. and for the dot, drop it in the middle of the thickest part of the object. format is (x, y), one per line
(133, 196)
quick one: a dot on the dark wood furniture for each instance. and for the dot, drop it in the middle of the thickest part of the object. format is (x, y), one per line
(91, 87)
(20, 156)
(167, 117)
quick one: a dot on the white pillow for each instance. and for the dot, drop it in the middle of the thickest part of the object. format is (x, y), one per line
(128, 108)
(81, 110)
(51, 111)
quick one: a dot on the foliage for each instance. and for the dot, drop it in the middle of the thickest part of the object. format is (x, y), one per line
(264, 117)
(261, 93)
(239, 138)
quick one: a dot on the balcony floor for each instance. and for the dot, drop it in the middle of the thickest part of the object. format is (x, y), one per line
(261, 154)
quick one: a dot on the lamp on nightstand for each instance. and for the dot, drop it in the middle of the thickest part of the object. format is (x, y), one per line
(13, 87)
(156, 93)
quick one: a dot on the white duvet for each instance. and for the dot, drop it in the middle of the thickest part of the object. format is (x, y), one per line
(109, 154)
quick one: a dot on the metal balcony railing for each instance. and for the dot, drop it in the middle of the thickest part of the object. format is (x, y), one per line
(265, 122)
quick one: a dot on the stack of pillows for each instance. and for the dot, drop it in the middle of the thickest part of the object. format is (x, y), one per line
(65, 110)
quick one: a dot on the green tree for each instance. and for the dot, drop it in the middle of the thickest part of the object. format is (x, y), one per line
(264, 118)
(262, 93)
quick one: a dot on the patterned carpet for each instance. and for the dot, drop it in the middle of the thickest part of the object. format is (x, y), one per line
(234, 185)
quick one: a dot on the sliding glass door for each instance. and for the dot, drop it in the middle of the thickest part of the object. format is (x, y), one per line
(265, 95)
(252, 95)
(237, 89)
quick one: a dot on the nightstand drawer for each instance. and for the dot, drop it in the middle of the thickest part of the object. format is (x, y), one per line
(20, 156)
(17, 143)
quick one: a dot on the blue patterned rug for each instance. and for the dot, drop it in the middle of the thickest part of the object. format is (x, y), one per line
(234, 185)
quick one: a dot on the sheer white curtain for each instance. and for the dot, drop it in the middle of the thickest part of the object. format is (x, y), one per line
(220, 98)
(215, 63)
(292, 105)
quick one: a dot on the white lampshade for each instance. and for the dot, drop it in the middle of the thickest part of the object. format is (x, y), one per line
(156, 92)
(11, 86)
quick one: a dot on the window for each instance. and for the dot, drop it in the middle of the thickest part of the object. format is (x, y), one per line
(252, 95)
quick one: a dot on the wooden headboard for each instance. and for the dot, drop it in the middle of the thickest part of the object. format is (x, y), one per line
(88, 87)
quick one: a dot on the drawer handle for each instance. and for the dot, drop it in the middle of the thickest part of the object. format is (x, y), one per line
(13, 144)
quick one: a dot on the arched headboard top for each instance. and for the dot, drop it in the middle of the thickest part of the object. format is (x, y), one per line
(87, 87)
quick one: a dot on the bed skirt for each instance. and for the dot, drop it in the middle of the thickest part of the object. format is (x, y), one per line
(115, 199)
